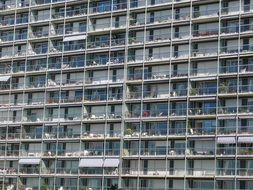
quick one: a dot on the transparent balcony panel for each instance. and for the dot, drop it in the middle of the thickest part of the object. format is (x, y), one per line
(11, 136)
(226, 151)
(38, 18)
(227, 110)
(103, 97)
(104, 80)
(230, 10)
(226, 130)
(40, 2)
(119, 6)
(76, 12)
(58, 15)
(245, 129)
(8, 22)
(206, 32)
(203, 71)
(106, 7)
(99, 61)
(107, 26)
(75, 30)
(245, 109)
(66, 99)
(39, 34)
(225, 171)
(101, 134)
(182, 16)
(7, 38)
(202, 91)
(63, 117)
(206, 13)
(178, 112)
(29, 170)
(31, 135)
(53, 66)
(202, 131)
(36, 67)
(245, 151)
(66, 170)
(69, 135)
(159, 2)
(21, 20)
(202, 111)
(35, 101)
(246, 48)
(203, 52)
(203, 151)
(200, 172)
(102, 115)
(21, 36)
(74, 81)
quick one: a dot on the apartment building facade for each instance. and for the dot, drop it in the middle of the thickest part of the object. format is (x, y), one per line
(126, 94)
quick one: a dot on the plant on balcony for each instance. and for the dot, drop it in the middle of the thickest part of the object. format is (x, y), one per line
(194, 91)
(223, 88)
(44, 186)
(129, 131)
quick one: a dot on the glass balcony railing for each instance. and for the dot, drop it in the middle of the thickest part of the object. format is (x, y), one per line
(178, 112)
(203, 91)
(102, 115)
(226, 130)
(202, 111)
(226, 151)
(101, 134)
(225, 171)
(103, 97)
(76, 12)
(227, 110)
(206, 13)
(97, 61)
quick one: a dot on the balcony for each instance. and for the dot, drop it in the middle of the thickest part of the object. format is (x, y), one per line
(101, 61)
(148, 113)
(101, 116)
(103, 97)
(76, 12)
(206, 32)
(202, 111)
(106, 43)
(162, 75)
(178, 112)
(63, 117)
(21, 20)
(205, 52)
(104, 79)
(226, 151)
(7, 21)
(39, 34)
(203, 91)
(101, 134)
(29, 170)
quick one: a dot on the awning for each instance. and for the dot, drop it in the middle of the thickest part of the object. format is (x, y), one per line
(113, 162)
(91, 163)
(226, 140)
(29, 161)
(74, 38)
(4, 78)
(245, 139)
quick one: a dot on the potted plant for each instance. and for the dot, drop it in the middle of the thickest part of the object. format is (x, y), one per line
(223, 88)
